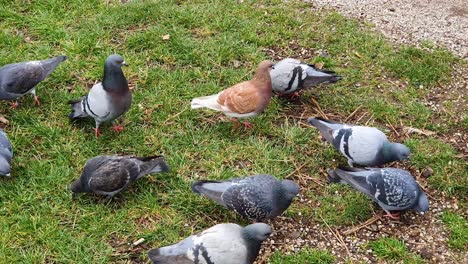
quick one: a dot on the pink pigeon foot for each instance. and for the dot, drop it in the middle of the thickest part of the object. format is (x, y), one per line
(36, 100)
(395, 216)
(96, 132)
(14, 105)
(248, 125)
(118, 128)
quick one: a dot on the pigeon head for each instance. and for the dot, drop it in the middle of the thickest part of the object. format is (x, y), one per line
(422, 204)
(76, 186)
(257, 232)
(290, 189)
(395, 151)
(262, 74)
(115, 61)
(4, 166)
(114, 79)
(401, 151)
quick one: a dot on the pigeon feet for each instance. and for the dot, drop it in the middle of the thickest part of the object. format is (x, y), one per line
(290, 96)
(395, 216)
(248, 125)
(36, 100)
(118, 128)
(14, 105)
(96, 132)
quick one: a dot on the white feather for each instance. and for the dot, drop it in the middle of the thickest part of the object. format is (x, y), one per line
(98, 102)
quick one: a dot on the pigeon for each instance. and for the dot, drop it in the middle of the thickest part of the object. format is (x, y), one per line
(243, 100)
(221, 244)
(6, 154)
(108, 100)
(108, 175)
(290, 76)
(365, 146)
(18, 79)
(256, 197)
(393, 189)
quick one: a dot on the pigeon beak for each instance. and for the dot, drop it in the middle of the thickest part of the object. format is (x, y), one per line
(8, 175)
(124, 63)
(421, 213)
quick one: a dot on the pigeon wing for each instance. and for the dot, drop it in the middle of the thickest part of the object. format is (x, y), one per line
(20, 78)
(241, 98)
(113, 174)
(251, 198)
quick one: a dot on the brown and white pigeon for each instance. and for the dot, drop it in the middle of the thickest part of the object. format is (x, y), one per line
(220, 244)
(393, 189)
(18, 79)
(256, 197)
(107, 100)
(362, 145)
(108, 175)
(243, 100)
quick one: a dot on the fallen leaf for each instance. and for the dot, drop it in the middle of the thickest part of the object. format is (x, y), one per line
(166, 37)
(4, 120)
(319, 65)
(409, 130)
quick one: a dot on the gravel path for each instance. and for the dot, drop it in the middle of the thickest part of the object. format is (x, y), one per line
(410, 22)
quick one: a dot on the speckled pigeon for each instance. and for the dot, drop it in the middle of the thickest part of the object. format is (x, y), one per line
(393, 189)
(243, 100)
(220, 244)
(291, 75)
(365, 146)
(107, 100)
(6, 154)
(18, 79)
(257, 197)
(108, 175)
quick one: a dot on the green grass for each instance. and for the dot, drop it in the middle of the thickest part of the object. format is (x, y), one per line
(394, 250)
(458, 227)
(39, 221)
(305, 256)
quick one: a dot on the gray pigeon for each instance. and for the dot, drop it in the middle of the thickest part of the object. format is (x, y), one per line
(107, 100)
(220, 244)
(257, 197)
(108, 175)
(291, 75)
(6, 153)
(18, 79)
(393, 189)
(365, 146)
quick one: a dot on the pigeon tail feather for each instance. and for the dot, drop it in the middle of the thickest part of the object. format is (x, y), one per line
(76, 111)
(154, 164)
(50, 64)
(210, 101)
(197, 187)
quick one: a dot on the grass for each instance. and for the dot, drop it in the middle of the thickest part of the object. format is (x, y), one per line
(394, 250)
(305, 256)
(39, 221)
(458, 227)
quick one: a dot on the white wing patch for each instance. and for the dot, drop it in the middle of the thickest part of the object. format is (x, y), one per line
(223, 244)
(364, 144)
(97, 102)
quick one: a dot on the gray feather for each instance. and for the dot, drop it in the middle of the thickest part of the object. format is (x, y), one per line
(393, 189)
(291, 75)
(218, 244)
(108, 175)
(256, 197)
(366, 146)
(18, 79)
(6, 154)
